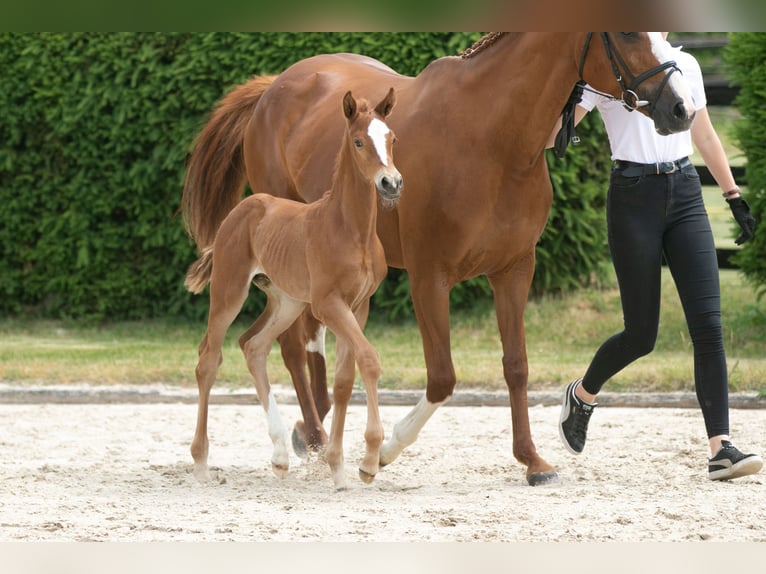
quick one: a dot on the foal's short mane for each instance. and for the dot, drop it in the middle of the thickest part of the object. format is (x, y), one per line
(362, 106)
(482, 44)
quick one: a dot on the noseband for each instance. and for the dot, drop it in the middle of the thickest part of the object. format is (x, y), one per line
(628, 98)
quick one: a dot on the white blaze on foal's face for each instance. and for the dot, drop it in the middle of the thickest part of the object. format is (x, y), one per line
(378, 130)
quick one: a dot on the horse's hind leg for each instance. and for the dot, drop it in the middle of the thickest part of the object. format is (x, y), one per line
(510, 292)
(227, 295)
(280, 312)
(299, 347)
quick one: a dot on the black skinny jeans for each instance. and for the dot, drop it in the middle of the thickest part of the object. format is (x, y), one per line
(646, 217)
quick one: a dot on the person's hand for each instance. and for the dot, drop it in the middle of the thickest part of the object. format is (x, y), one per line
(741, 211)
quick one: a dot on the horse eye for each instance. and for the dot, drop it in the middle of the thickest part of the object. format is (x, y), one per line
(358, 143)
(629, 34)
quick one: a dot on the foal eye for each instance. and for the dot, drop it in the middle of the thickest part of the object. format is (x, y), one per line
(358, 143)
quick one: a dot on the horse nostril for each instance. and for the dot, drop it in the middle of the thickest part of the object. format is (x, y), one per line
(679, 111)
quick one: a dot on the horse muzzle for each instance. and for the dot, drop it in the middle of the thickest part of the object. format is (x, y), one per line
(389, 186)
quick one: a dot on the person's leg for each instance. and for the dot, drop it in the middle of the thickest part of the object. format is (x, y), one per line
(691, 256)
(635, 220)
(690, 252)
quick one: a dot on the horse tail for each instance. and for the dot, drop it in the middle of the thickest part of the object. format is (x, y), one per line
(215, 174)
(199, 273)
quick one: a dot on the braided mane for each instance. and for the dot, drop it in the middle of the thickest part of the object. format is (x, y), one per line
(482, 44)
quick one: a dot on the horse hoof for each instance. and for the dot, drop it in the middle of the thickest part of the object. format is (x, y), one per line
(366, 477)
(280, 470)
(549, 478)
(299, 443)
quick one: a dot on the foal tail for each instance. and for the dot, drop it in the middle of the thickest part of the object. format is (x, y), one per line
(199, 273)
(215, 174)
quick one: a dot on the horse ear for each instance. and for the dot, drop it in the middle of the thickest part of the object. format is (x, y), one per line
(349, 105)
(387, 104)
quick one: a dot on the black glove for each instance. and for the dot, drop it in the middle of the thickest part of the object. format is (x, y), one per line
(741, 211)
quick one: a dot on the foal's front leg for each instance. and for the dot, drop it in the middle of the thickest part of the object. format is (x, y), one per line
(352, 346)
(341, 393)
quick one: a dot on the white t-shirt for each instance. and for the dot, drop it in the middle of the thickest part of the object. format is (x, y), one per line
(632, 136)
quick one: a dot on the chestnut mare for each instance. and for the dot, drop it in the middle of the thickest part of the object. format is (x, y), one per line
(325, 255)
(472, 133)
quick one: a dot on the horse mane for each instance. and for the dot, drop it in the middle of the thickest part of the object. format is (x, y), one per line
(482, 44)
(362, 106)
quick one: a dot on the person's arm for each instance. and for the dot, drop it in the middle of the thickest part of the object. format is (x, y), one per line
(708, 144)
(579, 115)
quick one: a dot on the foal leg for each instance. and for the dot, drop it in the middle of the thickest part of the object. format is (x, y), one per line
(510, 292)
(315, 351)
(431, 301)
(226, 298)
(352, 346)
(280, 312)
(299, 345)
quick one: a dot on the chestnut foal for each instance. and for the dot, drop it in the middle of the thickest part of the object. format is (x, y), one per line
(325, 255)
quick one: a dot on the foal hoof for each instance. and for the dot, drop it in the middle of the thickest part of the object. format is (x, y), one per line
(366, 477)
(549, 478)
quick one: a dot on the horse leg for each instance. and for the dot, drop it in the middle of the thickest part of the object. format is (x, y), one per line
(280, 312)
(353, 347)
(207, 367)
(226, 298)
(431, 302)
(511, 289)
(315, 352)
(309, 432)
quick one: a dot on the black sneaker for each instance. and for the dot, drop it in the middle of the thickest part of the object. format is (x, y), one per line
(573, 423)
(730, 463)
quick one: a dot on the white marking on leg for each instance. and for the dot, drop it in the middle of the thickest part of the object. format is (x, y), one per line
(278, 432)
(378, 131)
(316, 345)
(407, 429)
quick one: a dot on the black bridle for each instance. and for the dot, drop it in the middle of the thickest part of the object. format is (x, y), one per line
(628, 97)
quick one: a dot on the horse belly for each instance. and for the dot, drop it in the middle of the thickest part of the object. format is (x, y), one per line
(279, 244)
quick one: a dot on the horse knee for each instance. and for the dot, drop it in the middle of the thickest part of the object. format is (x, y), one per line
(207, 367)
(369, 365)
(253, 349)
(515, 371)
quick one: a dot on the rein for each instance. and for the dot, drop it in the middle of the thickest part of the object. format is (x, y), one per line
(628, 97)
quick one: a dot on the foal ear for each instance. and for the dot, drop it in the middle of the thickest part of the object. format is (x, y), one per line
(349, 105)
(386, 104)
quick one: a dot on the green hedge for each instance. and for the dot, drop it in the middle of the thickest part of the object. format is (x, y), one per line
(746, 58)
(94, 134)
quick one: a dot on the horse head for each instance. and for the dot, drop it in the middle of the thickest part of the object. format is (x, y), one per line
(373, 141)
(638, 69)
